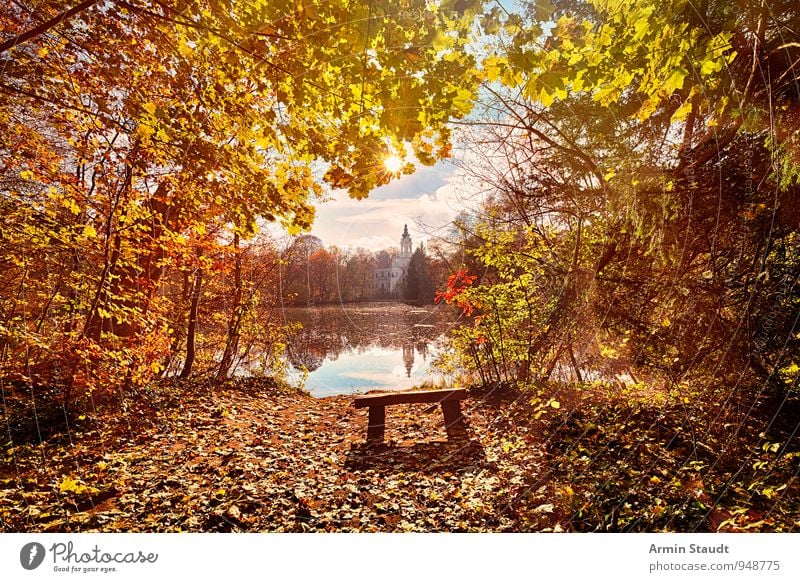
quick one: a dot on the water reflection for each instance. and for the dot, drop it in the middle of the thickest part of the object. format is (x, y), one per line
(368, 346)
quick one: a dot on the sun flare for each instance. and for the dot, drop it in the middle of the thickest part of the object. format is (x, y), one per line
(393, 164)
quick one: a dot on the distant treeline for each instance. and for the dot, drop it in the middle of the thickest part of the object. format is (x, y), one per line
(312, 274)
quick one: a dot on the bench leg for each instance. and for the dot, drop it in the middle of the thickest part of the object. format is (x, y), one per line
(453, 419)
(377, 423)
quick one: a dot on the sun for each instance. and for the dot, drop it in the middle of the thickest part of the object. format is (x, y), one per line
(393, 164)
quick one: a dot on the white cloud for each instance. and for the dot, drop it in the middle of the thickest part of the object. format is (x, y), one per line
(431, 197)
(371, 242)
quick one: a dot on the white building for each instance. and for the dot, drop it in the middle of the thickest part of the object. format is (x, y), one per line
(389, 282)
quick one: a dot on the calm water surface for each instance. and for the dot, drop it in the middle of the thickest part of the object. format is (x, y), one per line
(366, 346)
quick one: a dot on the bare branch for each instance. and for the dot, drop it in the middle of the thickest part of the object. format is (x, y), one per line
(45, 26)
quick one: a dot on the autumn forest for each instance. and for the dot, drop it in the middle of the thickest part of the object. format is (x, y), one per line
(622, 352)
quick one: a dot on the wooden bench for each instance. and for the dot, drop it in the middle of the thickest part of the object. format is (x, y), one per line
(449, 399)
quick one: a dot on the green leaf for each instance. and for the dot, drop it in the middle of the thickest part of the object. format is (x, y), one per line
(494, 67)
(543, 9)
(682, 112)
(463, 101)
(675, 81)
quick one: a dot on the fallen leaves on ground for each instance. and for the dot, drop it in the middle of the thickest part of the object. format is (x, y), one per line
(249, 455)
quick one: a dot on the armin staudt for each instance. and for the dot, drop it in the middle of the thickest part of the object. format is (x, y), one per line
(690, 549)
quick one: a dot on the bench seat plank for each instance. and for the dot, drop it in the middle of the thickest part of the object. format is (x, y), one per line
(411, 397)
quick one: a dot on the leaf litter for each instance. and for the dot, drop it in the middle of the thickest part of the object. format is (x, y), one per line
(251, 455)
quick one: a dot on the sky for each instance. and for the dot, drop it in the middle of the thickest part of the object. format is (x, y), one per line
(427, 201)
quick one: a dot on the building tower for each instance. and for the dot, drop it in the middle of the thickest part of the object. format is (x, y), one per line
(388, 282)
(408, 358)
(405, 244)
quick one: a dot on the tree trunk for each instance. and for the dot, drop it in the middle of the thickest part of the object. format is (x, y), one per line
(574, 362)
(191, 332)
(133, 283)
(237, 312)
(177, 333)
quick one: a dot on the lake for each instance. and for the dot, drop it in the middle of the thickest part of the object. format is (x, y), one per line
(366, 346)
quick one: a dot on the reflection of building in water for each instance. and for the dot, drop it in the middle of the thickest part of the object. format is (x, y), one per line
(422, 348)
(408, 358)
(389, 282)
